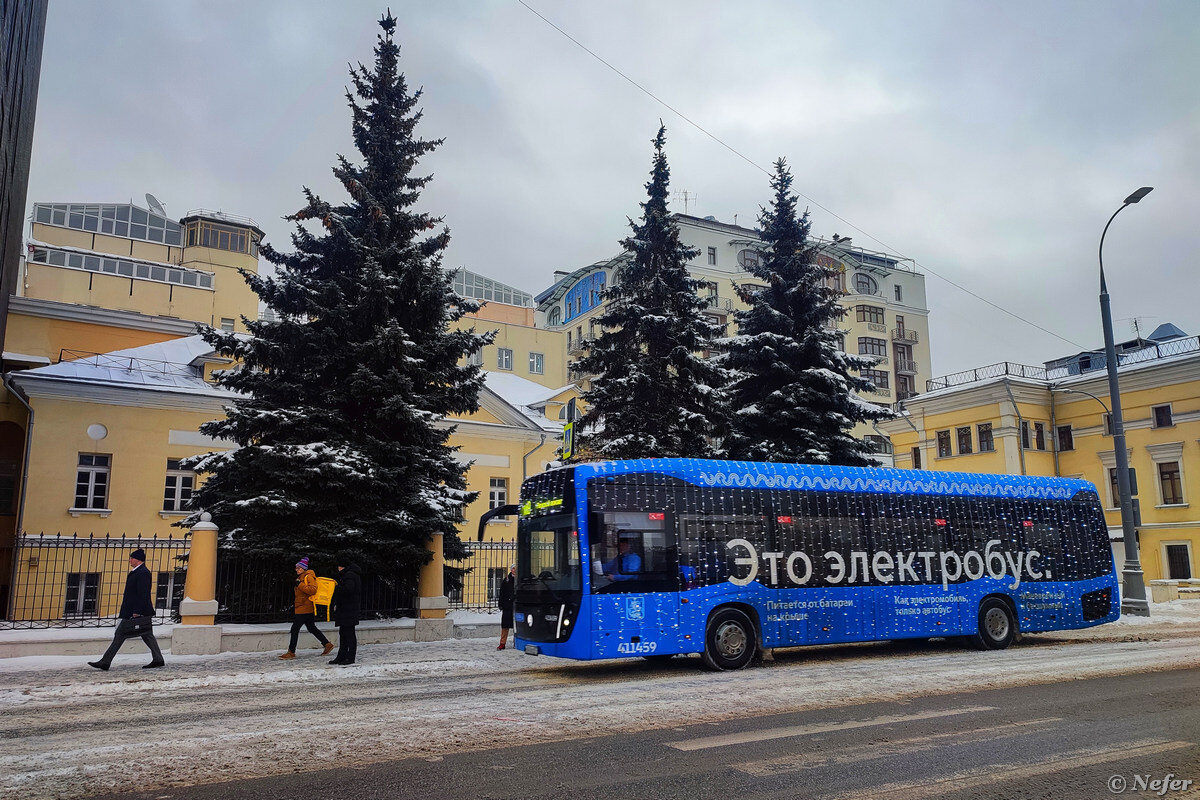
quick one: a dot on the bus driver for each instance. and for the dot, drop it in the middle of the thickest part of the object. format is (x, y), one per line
(627, 564)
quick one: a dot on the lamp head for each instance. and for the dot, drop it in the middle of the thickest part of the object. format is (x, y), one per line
(1139, 194)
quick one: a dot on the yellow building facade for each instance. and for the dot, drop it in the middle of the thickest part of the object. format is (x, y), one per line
(1018, 419)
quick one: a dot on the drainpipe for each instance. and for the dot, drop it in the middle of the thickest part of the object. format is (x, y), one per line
(17, 393)
(1053, 432)
(1020, 424)
(524, 467)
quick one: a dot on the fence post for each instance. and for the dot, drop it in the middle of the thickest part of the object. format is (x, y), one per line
(198, 635)
(432, 602)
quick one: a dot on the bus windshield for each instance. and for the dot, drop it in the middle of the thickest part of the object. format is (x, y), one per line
(548, 555)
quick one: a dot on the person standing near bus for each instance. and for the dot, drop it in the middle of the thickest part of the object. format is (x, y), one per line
(304, 610)
(507, 597)
(347, 607)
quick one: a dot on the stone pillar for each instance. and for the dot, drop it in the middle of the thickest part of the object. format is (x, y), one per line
(432, 602)
(198, 635)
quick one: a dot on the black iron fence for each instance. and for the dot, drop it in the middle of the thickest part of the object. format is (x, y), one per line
(253, 589)
(77, 581)
(489, 562)
(73, 580)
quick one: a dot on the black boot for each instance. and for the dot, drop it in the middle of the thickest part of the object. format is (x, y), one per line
(98, 665)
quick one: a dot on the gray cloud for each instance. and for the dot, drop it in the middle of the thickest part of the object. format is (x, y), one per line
(989, 142)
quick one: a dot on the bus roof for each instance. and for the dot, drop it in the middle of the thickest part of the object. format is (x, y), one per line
(755, 475)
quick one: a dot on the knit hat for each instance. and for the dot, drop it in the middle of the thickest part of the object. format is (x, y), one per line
(303, 563)
(139, 554)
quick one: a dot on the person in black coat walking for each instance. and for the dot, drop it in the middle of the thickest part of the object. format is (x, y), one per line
(136, 615)
(508, 594)
(347, 607)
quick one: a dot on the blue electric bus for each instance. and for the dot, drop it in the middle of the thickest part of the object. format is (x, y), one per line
(659, 557)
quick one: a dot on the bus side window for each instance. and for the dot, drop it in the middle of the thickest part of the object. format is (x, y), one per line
(1045, 536)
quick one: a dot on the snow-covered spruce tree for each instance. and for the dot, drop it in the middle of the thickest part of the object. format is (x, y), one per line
(653, 394)
(339, 443)
(791, 394)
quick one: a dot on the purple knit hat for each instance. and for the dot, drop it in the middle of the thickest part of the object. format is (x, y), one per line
(303, 563)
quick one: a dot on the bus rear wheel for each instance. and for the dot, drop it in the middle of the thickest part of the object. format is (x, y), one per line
(729, 641)
(997, 627)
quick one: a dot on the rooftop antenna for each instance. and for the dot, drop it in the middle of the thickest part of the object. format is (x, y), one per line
(155, 206)
(687, 198)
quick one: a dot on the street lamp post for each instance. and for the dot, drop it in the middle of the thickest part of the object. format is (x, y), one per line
(1133, 597)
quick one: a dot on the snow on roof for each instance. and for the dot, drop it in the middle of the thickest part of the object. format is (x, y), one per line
(523, 395)
(164, 366)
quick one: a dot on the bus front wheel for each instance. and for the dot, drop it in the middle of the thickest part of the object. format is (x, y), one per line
(729, 641)
(997, 627)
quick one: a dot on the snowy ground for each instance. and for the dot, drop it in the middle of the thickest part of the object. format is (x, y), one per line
(71, 731)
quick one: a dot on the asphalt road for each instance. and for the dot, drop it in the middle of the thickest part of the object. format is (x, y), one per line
(1071, 739)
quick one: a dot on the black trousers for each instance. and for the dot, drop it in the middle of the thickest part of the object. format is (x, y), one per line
(305, 621)
(119, 639)
(347, 642)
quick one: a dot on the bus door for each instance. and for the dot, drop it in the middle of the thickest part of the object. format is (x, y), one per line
(634, 578)
(916, 525)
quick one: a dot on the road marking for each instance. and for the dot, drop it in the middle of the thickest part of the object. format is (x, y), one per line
(807, 730)
(1000, 773)
(917, 744)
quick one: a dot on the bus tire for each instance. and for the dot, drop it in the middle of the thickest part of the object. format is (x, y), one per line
(997, 627)
(730, 640)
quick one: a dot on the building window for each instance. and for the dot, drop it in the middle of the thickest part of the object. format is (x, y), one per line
(986, 445)
(555, 317)
(227, 324)
(180, 482)
(747, 259)
(475, 359)
(865, 284)
(899, 292)
(878, 377)
(869, 314)
(1108, 425)
(168, 589)
(497, 492)
(964, 440)
(1039, 435)
(868, 346)
(1179, 561)
(916, 457)
(879, 444)
(83, 590)
(712, 256)
(1162, 416)
(126, 221)
(1024, 435)
(91, 480)
(1114, 488)
(119, 267)
(1066, 440)
(222, 237)
(1169, 480)
(537, 364)
(840, 342)
(504, 358)
(943, 438)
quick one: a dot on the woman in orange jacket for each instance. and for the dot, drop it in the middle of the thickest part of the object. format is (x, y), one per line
(306, 612)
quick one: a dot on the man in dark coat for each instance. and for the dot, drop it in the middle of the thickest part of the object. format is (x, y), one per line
(347, 607)
(136, 615)
(508, 594)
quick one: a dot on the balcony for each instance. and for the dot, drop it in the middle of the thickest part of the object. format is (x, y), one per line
(577, 346)
(906, 367)
(905, 335)
(716, 301)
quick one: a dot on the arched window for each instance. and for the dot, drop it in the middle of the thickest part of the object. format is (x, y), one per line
(555, 316)
(865, 284)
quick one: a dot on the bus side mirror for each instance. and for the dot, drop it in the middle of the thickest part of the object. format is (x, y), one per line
(498, 511)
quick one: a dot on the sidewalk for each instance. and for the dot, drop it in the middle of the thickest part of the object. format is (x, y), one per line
(27, 643)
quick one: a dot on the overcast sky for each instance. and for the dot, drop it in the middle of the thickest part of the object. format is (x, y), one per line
(990, 142)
